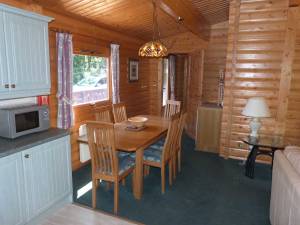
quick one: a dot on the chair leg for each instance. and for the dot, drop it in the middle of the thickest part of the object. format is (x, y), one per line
(123, 182)
(133, 181)
(146, 170)
(163, 179)
(94, 193)
(170, 172)
(179, 160)
(174, 166)
(116, 196)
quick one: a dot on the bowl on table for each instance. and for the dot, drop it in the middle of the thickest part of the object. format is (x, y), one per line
(137, 121)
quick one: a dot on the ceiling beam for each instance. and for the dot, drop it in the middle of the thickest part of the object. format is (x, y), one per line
(191, 19)
(294, 3)
(183, 43)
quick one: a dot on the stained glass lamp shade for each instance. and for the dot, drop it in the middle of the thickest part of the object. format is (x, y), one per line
(153, 49)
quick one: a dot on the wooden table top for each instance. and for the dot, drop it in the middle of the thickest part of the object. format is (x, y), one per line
(131, 141)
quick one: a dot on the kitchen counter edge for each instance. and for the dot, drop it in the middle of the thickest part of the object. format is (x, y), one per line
(12, 146)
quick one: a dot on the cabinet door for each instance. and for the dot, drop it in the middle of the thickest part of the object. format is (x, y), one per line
(47, 168)
(3, 62)
(27, 52)
(12, 195)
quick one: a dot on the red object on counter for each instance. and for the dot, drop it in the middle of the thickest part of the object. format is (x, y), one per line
(43, 100)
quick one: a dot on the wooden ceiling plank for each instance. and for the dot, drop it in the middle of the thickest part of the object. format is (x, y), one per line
(192, 20)
(77, 6)
(70, 2)
(136, 12)
(115, 8)
(88, 6)
(294, 3)
(101, 8)
(214, 11)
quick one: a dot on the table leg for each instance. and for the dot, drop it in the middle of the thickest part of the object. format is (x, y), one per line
(250, 163)
(138, 174)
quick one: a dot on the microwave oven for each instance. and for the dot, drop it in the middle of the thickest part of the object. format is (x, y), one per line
(19, 121)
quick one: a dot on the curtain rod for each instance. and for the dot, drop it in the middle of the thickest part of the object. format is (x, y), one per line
(82, 51)
(56, 29)
(59, 30)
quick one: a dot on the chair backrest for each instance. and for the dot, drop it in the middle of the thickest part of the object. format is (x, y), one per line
(104, 114)
(172, 107)
(171, 139)
(119, 112)
(180, 129)
(101, 139)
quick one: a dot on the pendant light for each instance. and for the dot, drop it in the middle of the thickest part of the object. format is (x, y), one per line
(154, 48)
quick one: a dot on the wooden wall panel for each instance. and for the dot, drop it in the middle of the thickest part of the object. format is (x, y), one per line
(257, 65)
(292, 125)
(194, 92)
(214, 61)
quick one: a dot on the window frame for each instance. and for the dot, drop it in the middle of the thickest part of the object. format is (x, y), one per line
(109, 84)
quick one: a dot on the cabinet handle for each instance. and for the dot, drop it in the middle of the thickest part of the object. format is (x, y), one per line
(26, 156)
(13, 86)
(6, 86)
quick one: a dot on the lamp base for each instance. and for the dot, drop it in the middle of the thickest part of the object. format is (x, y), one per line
(255, 125)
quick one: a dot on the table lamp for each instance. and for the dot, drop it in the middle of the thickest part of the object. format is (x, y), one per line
(256, 108)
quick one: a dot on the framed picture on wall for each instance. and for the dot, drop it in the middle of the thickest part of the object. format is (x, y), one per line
(133, 70)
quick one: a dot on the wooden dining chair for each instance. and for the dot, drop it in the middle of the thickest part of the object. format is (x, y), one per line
(106, 164)
(172, 107)
(181, 125)
(162, 157)
(119, 112)
(104, 114)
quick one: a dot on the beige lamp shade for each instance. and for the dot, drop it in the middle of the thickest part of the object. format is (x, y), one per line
(256, 107)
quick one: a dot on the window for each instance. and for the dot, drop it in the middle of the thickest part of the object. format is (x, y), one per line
(90, 79)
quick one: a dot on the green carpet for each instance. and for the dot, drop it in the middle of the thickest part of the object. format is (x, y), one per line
(209, 191)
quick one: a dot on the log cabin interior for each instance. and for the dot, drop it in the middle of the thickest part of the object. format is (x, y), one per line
(150, 112)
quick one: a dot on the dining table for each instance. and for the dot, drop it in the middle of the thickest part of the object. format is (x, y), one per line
(137, 141)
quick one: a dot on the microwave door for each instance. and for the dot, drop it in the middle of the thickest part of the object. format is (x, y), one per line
(26, 121)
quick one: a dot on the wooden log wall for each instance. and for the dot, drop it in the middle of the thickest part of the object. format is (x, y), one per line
(292, 124)
(214, 61)
(259, 60)
(88, 36)
(194, 92)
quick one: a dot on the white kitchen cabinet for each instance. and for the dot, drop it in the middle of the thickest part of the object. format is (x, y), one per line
(4, 83)
(35, 180)
(12, 194)
(25, 53)
(47, 175)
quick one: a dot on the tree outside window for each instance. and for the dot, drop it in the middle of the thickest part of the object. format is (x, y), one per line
(90, 79)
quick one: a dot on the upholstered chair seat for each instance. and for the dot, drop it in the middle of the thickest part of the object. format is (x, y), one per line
(125, 163)
(153, 155)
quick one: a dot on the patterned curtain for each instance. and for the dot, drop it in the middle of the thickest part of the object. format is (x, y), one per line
(65, 79)
(172, 76)
(115, 71)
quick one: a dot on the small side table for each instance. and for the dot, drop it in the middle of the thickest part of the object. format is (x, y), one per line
(265, 145)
